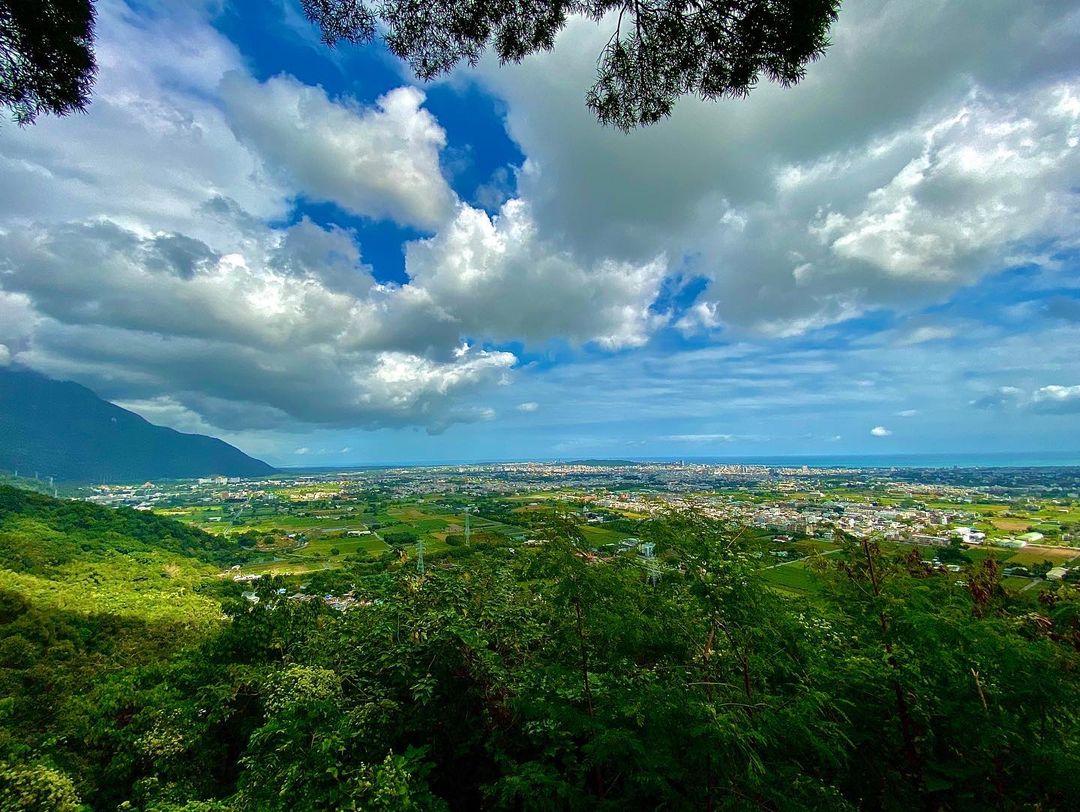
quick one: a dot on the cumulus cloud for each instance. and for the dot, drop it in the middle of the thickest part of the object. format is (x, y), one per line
(154, 146)
(264, 329)
(880, 431)
(499, 277)
(1054, 398)
(898, 171)
(528, 406)
(153, 250)
(380, 162)
(1002, 396)
(141, 251)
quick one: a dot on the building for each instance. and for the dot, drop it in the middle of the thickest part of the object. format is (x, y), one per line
(935, 541)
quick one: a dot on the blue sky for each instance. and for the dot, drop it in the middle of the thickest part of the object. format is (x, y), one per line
(308, 253)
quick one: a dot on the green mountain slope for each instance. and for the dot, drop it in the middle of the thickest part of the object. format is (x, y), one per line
(70, 530)
(63, 430)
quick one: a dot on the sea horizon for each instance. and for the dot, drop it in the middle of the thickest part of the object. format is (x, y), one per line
(1002, 459)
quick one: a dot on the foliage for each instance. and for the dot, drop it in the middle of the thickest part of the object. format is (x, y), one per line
(548, 677)
(660, 49)
(36, 788)
(40, 533)
(46, 56)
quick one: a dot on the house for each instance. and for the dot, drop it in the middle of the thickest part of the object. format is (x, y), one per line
(1056, 573)
(935, 541)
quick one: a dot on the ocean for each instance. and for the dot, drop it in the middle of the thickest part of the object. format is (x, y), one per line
(1034, 459)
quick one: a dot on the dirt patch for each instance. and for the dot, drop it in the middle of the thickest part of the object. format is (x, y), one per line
(1011, 525)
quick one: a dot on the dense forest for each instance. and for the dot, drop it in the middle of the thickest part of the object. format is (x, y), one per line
(133, 676)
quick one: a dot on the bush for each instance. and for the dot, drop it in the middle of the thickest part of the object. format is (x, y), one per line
(36, 788)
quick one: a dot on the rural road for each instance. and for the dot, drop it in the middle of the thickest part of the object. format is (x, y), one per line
(807, 558)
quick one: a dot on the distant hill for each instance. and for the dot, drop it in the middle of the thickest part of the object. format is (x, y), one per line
(63, 430)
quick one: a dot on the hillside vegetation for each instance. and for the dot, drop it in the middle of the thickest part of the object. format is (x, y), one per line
(520, 678)
(63, 430)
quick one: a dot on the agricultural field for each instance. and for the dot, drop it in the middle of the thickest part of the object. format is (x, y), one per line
(299, 537)
(1011, 525)
(793, 577)
(1028, 556)
(599, 536)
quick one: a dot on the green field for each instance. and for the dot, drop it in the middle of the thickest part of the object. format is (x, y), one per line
(599, 536)
(1036, 555)
(794, 577)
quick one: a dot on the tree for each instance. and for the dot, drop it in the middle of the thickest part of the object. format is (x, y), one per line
(659, 51)
(46, 57)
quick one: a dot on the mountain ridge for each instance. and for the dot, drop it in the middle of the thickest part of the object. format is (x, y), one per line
(63, 430)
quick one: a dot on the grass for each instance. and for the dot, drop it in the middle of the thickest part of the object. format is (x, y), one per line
(287, 567)
(812, 546)
(1036, 555)
(599, 536)
(794, 577)
(1014, 583)
(980, 554)
(370, 545)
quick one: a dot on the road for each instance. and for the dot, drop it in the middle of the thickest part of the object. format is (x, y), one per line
(807, 558)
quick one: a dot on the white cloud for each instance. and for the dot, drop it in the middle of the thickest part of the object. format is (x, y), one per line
(137, 253)
(5, 355)
(1048, 399)
(528, 406)
(153, 147)
(1055, 398)
(292, 329)
(377, 162)
(498, 277)
(880, 431)
(920, 335)
(988, 175)
(141, 250)
(898, 171)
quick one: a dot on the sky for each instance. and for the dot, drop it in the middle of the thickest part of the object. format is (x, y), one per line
(310, 254)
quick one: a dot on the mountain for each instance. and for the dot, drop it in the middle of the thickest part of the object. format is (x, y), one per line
(63, 430)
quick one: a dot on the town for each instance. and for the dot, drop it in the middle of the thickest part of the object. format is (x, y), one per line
(306, 521)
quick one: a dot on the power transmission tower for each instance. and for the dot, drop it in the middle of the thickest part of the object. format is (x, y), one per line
(466, 525)
(420, 555)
